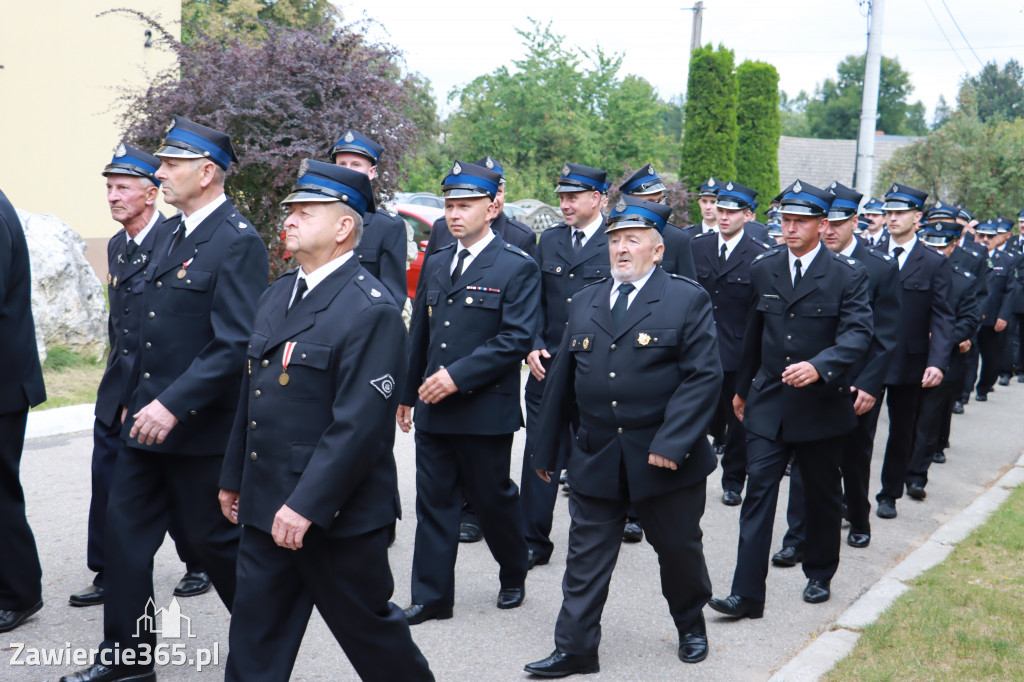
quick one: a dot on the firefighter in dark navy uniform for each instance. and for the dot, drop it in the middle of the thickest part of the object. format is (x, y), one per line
(678, 258)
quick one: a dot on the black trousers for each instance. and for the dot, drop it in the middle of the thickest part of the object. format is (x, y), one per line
(348, 580)
(537, 496)
(766, 461)
(1018, 358)
(447, 466)
(106, 441)
(149, 490)
(21, 576)
(992, 346)
(904, 403)
(936, 410)
(672, 526)
(734, 452)
(971, 360)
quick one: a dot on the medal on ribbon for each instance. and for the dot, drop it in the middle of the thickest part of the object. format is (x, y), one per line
(286, 358)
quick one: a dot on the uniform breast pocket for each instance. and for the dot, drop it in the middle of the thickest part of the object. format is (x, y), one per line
(654, 348)
(738, 286)
(308, 376)
(555, 269)
(770, 304)
(366, 255)
(480, 309)
(592, 272)
(818, 309)
(189, 295)
(581, 345)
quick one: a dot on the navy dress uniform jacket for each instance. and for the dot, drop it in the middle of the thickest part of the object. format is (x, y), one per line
(323, 443)
(512, 231)
(383, 250)
(125, 280)
(868, 373)
(825, 320)
(22, 386)
(195, 325)
(967, 301)
(649, 385)
(926, 333)
(678, 256)
(1001, 289)
(732, 294)
(479, 329)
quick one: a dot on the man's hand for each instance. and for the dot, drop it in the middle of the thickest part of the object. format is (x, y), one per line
(738, 405)
(932, 377)
(124, 414)
(659, 461)
(152, 424)
(863, 402)
(545, 475)
(289, 528)
(1000, 324)
(800, 374)
(437, 387)
(533, 360)
(404, 418)
(228, 504)
(965, 346)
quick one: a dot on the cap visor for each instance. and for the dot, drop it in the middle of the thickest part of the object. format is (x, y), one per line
(463, 193)
(177, 152)
(303, 196)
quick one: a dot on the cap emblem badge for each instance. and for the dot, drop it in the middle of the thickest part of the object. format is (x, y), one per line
(711, 182)
(303, 167)
(650, 169)
(797, 187)
(729, 187)
(895, 188)
(565, 170)
(489, 163)
(621, 206)
(456, 169)
(349, 137)
(121, 151)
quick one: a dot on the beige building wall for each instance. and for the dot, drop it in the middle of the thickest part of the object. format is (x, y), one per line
(63, 68)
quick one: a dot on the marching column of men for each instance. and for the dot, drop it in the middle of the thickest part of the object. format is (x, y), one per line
(254, 423)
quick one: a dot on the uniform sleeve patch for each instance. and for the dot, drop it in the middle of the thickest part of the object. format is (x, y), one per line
(385, 385)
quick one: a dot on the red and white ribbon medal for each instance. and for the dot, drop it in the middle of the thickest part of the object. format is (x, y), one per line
(286, 358)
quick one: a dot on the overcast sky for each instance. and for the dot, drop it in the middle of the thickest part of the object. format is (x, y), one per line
(451, 42)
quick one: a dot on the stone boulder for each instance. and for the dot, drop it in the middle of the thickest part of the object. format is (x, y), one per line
(67, 298)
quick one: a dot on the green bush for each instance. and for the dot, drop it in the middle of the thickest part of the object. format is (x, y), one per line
(757, 117)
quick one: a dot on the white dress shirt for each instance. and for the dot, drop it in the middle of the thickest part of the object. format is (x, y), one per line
(805, 261)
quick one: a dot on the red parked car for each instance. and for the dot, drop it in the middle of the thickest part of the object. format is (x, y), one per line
(421, 219)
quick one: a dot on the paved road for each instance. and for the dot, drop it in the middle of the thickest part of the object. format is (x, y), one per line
(482, 643)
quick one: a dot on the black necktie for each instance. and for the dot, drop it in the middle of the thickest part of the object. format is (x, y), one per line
(179, 237)
(896, 253)
(577, 240)
(799, 274)
(300, 291)
(457, 272)
(621, 303)
(132, 247)
(722, 256)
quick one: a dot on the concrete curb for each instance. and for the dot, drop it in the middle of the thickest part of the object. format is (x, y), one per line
(59, 421)
(826, 651)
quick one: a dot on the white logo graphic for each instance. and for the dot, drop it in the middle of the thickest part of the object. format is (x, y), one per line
(170, 621)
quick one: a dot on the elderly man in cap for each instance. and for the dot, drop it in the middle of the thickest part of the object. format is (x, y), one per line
(310, 469)
(925, 343)
(209, 268)
(571, 254)
(471, 328)
(132, 190)
(383, 247)
(723, 260)
(637, 377)
(678, 258)
(866, 381)
(811, 322)
(21, 590)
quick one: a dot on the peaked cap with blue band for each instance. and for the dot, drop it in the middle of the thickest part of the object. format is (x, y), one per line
(1020, 216)
(940, 211)
(470, 180)
(988, 227)
(322, 182)
(862, 225)
(577, 178)
(735, 196)
(963, 213)
(490, 163)
(845, 202)
(903, 198)
(357, 143)
(644, 181)
(1004, 225)
(632, 211)
(709, 188)
(873, 207)
(940, 232)
(129, 160)
(190, 140)
(803, 199)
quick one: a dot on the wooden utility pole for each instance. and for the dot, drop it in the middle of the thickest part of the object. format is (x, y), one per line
(698, 11)
(865, 164)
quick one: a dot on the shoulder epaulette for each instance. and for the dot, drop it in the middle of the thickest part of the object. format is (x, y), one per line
(516, 250)
(705, 234)
(685, 279)
(778, 248)
(846, 260)
(239, 222)
(370, 288)
(763, 245)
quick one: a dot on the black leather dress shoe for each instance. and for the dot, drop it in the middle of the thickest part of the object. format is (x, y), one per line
(939, 457)
(981, 397)
(731, 498)
(886, 508)
(511, 597)
(788, 556)
(633, 532)
(1004, 380)
(193, 584)
(418, 613)
(693, 644)
(958, 407)
(858, 540)
(916, 491)
(101, 673)
(470, 532)
(12, 619)
(817, 591)
(1020, 378)
(563, 477)
(563, 665)
(534, 559)
(738, 607)
(90, 596)
(566, 488)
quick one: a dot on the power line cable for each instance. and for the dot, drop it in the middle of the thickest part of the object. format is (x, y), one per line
(948, 41)
(962, 34)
